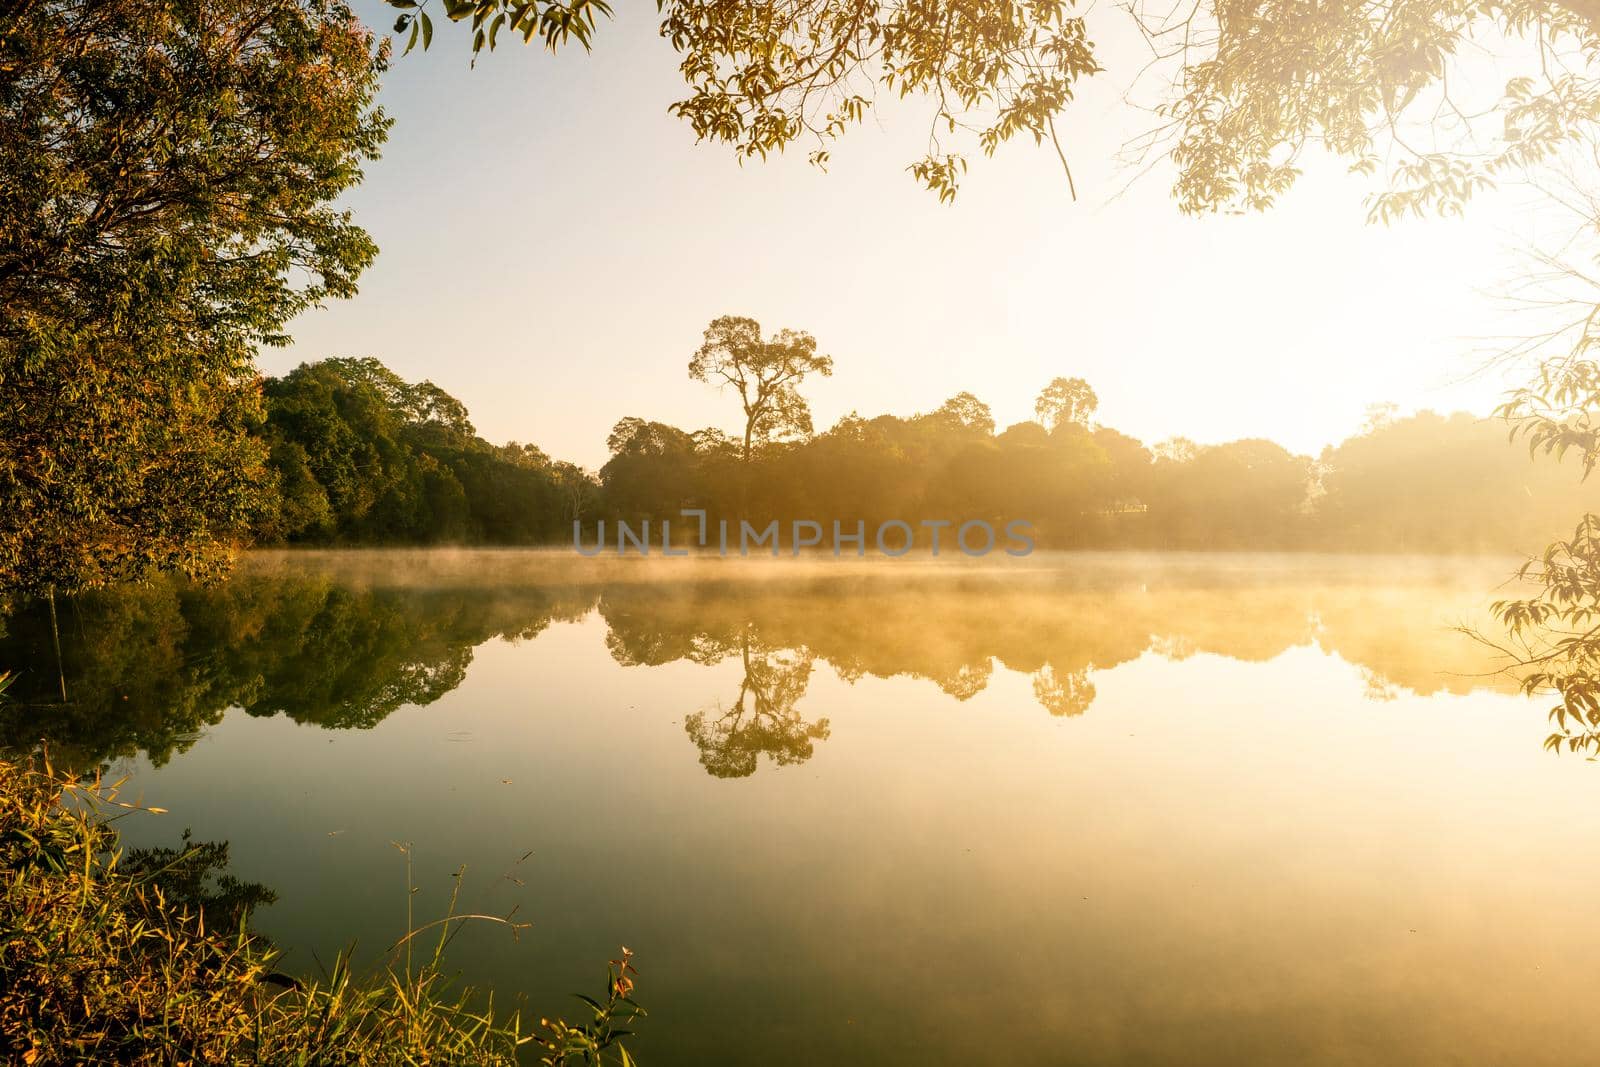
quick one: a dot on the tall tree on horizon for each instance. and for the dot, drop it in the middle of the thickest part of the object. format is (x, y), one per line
(1066, 401)
(766, 373)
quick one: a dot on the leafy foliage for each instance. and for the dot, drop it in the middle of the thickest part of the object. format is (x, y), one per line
(1555, 631)
(966, 412)
(554, 22)
(766, 374)
(361, 455)
(590, 1041)
(1556, 635)
(1247, 88)
(762, 77)
(1556, 415)
(1243, 88)
(1066, 400)
(170, 172)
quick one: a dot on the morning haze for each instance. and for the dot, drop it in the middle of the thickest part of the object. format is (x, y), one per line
(547, 270)
(1102, 572)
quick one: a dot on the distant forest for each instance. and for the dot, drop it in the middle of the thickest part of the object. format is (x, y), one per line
(361, 457)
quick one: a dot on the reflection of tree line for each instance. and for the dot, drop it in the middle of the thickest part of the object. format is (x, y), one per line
(149, 668)
(951, 631)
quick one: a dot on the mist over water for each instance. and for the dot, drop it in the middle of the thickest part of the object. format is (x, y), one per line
(1087, 808)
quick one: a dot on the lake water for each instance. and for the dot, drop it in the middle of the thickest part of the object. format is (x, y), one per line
(1086, 809)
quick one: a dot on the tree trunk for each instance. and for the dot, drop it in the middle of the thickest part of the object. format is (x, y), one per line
(744, 468)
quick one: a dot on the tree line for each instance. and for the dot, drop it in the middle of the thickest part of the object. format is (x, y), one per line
(171, 203)
(358, 456)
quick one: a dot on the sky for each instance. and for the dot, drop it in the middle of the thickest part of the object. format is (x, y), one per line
(553, 243)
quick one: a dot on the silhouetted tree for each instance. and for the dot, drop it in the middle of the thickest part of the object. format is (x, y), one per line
(766, 373)
(966, 412)
(1066, 400)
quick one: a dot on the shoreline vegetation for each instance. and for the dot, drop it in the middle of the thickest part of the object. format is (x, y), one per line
(145, 956)
(359, 457)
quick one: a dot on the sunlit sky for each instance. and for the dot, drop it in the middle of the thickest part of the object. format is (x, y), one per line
(553, 244)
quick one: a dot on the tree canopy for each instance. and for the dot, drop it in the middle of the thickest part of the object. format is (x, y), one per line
(170, 172)
(358, 455)
(1066, 400)
(765, 373)
(1441, 96)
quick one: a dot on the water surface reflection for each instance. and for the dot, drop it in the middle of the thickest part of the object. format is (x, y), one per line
(1122, 809)
(342, 640)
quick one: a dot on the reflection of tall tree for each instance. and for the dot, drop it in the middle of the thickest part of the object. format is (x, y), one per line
(1063, 692)
(762, 720)
(967, 680)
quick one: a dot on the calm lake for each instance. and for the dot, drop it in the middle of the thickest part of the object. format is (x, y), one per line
(1074, 809)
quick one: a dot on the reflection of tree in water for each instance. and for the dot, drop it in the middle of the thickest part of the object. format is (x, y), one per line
(1174, 648)
(1376, 687)
(149, 668)
(762, 720)
(195, 874)
(645, 646)
(1063, 692)
(967, 680)
(358, 657)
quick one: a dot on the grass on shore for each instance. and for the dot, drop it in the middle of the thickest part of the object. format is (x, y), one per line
(113, 956)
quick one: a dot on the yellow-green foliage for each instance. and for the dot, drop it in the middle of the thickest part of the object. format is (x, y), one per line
(102, 962)
(95, 964)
